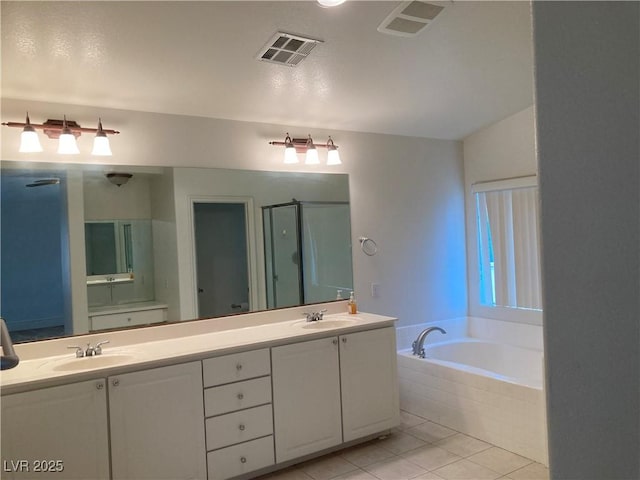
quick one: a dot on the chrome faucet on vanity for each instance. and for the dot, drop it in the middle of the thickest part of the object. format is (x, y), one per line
(314, 316)
(418, 345)
(90, 351)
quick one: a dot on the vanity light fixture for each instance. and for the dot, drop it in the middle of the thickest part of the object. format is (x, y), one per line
(29, 142)
(295, 146)
(311, 157)
(330, 3)
(66, 131)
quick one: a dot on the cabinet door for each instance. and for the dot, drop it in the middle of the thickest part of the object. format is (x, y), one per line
(59, 432)
(306, 397)
(369, 380)
(157, 424)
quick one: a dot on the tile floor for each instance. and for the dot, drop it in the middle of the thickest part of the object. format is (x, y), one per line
(421, 450)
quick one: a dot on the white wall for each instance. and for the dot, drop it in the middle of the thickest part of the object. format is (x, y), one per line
(105, 201)
(505, 149)
(406, 193)
(587, 58)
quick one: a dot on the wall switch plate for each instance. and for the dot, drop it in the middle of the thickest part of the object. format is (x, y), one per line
(375, 290)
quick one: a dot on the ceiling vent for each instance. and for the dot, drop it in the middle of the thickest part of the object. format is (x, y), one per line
(287, 49)
(410, 18)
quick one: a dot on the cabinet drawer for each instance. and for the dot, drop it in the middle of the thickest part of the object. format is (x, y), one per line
(246, 457)
(237, 396)
(239, 427)
(236, 367)
(116, 320)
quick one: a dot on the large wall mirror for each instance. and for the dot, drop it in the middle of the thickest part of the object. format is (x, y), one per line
(81, 253)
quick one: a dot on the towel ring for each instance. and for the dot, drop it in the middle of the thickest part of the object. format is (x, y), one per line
(368, 246)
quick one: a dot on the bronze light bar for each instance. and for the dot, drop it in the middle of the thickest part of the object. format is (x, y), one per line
(53, 128)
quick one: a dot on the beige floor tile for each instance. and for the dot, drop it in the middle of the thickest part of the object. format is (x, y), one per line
(428, 476)
(430, 432)
(362, 455)
(326, 467)
(400, 442)
(408, 420)
(533, 471)
(356, 475)
(430, 457)
(502, 461)
(292, 473)
(463, 445)
(396, 468)
(466, 470)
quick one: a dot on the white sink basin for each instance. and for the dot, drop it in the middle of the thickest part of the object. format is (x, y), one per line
(86, 363)
(333, 323)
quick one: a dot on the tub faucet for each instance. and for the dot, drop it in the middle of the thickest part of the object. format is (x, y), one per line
(418, 345)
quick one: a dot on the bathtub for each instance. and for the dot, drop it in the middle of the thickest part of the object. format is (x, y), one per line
(489, 390)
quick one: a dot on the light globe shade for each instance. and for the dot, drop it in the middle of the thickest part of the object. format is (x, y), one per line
(312, 156)
(290, 155)
(101, 146)
(67, 144)
(29, 141)
(333, 157)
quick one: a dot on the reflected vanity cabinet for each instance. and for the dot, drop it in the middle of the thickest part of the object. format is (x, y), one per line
(154, 428)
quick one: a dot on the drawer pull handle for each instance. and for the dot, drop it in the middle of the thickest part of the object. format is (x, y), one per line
(239, 366)
(243, 460)
(240, 396)
(241, 427)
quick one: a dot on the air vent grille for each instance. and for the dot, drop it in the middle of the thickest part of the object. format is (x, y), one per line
(410, 18)
(287, 49)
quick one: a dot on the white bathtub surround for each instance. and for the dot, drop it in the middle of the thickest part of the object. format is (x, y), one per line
(488, 384)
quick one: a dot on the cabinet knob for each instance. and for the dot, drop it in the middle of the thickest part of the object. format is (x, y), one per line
(243, 459)
(344, 339)
(241, 427)
(240, 396)
(239, 366)
(115, 382)
(99, 385)
(335, 341)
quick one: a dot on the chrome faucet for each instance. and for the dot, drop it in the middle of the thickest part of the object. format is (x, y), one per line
(314, 316)
(89, 351)
(418, 345)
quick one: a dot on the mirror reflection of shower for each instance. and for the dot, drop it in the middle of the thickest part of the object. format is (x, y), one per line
(307, 252)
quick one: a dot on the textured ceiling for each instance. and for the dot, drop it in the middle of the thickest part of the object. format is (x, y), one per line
(471, 67)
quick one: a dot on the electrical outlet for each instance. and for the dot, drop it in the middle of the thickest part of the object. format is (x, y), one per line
(375, 290)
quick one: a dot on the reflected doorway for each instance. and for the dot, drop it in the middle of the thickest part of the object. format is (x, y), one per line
(222, 266)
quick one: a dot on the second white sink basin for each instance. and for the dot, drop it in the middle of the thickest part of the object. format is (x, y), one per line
(324, 324)
(86, 363)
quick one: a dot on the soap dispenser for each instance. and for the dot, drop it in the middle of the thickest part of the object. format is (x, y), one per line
(352, 307)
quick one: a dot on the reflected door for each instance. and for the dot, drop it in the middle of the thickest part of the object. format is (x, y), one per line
(221, 258)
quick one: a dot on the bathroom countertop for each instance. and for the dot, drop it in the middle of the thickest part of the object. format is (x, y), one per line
(52, 370)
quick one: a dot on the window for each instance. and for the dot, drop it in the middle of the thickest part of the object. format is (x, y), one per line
(507, 239)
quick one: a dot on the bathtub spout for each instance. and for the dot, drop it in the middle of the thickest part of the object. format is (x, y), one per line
(418, 345)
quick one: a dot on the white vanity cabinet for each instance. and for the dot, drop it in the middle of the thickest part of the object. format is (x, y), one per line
(55, 433)
(156, 425)
(239, 423)
(369, 383)
(306, 397)
(333, 390)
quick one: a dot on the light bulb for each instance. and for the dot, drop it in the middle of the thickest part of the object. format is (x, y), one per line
(312, 156)
(67, 142)
(101, 143)
(333, 157)
(290, 155)
(29, 141)
(330, 3)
